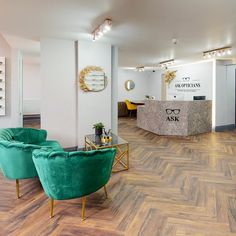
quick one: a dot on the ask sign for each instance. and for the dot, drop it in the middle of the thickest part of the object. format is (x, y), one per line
(172, 115)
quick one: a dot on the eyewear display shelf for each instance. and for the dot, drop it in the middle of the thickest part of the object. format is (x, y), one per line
(121, 161)
(2, 86)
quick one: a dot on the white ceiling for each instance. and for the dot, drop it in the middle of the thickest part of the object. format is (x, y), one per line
(142, 29)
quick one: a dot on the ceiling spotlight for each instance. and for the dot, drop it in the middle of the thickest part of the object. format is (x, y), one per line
(217, 52)
(107, 27)
(100, 33)
(165, 64)
(101, 29)
(140, 68)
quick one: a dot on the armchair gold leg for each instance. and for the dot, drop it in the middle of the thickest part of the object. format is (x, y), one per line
(105, 189)
(17, 188)
(83, 208)
(51, 207)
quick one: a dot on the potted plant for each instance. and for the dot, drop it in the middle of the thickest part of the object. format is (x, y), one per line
(98, 128)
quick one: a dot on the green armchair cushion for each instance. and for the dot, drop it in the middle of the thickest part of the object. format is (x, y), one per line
(16, 147)
(67, 175)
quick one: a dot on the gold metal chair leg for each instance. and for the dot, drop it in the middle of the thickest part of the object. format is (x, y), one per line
(51, 207)
(105, 189)
(17, 188)
(83, 208)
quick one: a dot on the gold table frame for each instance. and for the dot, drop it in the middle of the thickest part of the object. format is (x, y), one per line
(122, 152)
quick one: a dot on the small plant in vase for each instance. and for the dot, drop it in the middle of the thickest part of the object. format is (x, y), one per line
(98, 128)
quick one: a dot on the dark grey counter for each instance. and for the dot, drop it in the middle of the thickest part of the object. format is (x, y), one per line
(175, 117)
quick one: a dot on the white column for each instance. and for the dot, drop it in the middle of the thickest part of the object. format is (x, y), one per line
(58, 101)
(114, 90)
(93, 107)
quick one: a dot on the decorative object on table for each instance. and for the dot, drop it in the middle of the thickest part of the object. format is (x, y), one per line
(131, 107)
(2, 86)
(106, 136)
(169, 76)
(98, 128)
(129, 85)
(92, 169)
(92, 79)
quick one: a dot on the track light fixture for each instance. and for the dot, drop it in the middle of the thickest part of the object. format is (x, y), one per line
(219, 52)
(102, 29)
(165, 64)
(140, 68)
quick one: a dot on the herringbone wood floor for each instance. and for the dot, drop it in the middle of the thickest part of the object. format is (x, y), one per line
(175, 186)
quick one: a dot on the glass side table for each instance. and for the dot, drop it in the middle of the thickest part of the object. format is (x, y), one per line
(121, 161)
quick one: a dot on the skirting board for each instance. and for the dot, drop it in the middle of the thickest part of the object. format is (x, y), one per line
(225, 128)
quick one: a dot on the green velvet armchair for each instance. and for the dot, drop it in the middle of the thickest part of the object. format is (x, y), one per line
(68, 175)
(16, 147)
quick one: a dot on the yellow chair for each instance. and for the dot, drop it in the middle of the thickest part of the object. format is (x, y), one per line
(131, 107)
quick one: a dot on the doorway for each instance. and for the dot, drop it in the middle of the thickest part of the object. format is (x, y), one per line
(231, 91)
(31, 94)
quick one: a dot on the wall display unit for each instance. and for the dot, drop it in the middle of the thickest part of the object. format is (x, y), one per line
(2, 86)
(92, 79)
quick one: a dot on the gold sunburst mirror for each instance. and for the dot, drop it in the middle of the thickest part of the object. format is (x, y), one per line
(92, 79)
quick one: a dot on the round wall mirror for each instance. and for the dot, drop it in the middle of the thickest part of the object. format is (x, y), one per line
(129, 85)
(93, 79)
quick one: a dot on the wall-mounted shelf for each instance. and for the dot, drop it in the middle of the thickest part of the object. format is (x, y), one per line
(2, 86)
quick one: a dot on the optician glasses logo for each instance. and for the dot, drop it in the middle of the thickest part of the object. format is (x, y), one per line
(172, 114)
(186, 79)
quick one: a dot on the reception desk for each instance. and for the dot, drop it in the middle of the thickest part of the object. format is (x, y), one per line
(175, 117)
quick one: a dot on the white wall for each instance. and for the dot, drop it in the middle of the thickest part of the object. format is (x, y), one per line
(93, 107)
(31, 88)
(5, 51)
(114, 89)
(225, 93)
(231, 93)
(155, 84)
(13, 117)
(58, 100)
(198, 73)
(16, 88)
(141, 80)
